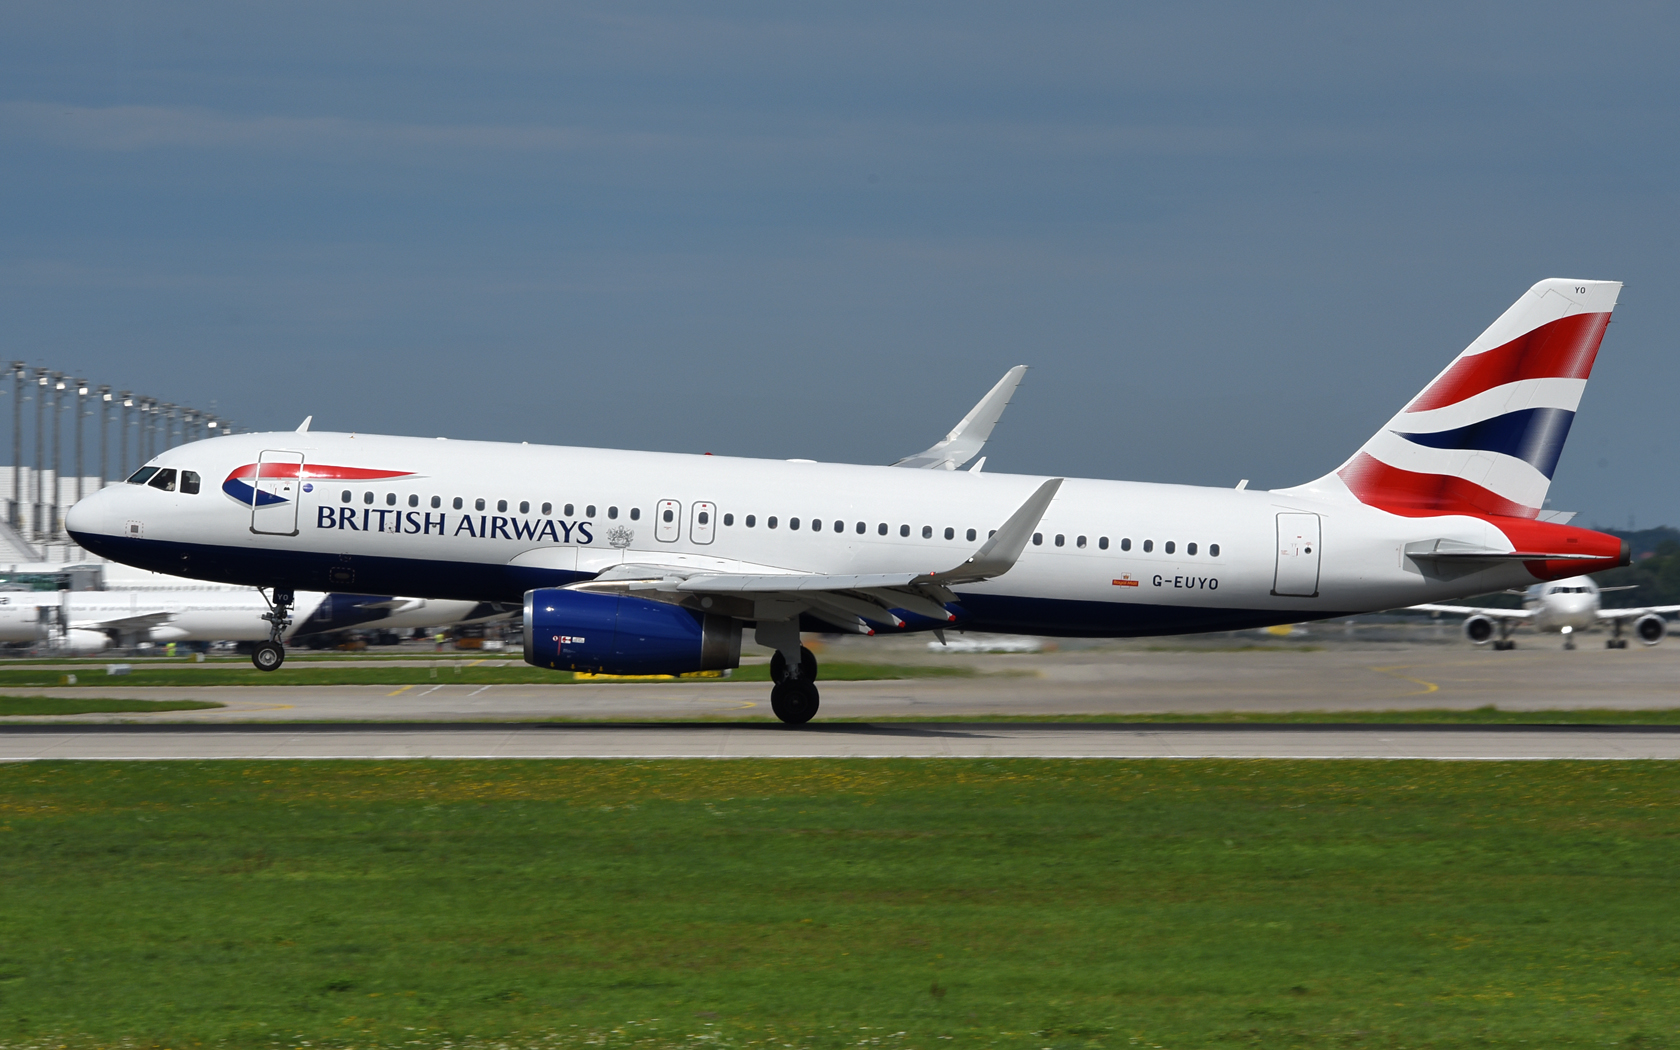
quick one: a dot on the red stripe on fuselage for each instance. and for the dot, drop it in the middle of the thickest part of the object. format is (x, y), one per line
(317, 471)
(1561, 349)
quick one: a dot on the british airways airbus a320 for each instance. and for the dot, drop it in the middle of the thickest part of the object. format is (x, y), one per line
(654, 563)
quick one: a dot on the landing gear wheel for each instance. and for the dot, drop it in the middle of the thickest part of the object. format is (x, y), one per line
(1504, 644)
(807, 666)
(268, 656)
(794, 702)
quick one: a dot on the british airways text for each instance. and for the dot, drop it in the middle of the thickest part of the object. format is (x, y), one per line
(480, 526)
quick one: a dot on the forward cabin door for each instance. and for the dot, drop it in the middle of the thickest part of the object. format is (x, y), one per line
(1297, 561)
(274, 493)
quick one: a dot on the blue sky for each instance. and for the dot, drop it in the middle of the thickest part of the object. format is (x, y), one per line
(1230, 240)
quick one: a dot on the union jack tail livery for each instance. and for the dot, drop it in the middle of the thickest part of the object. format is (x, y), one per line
(1484, 437)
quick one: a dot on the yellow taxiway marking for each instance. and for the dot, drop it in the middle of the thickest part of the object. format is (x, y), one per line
(1428, 687)
(401, 691)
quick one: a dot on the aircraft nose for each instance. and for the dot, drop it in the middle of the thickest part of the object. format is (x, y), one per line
(94, 515)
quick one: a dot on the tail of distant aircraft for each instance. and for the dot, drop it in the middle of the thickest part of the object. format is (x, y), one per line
(1485, 435)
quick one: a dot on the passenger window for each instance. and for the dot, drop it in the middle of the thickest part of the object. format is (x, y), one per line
(840, 526)
(793, 523)
(1126, 544)
(881, 528)
(971, 535)
(437, 501)
(164, 479)
(816, 524)
(413, 500)
(1060, 539)
(904, 530)
(770, 522)
(524, 506)
(346, 496)
(1080, 543)
(367, 497)
(927, 532)
(143, 475)
(568, 510)
(1148, 545)
(950, 533)
(589, 511)
(390, 499)
(501, 506)
(862, 528)
(547, 509)
(635, 514)
(612, 512)
(478, 504)
(189, 482)
(729, 519)
(1102, 543)
(457, 503)
(1170, 546)
(1190, 548)
(1213, 550)
(1038, 539)
(752, 519)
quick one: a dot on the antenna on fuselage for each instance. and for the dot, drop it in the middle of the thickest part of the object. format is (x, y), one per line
(303, 428)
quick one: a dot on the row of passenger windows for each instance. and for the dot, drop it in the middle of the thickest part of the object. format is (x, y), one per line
(567, 511)
(771, 522)
(167, 479)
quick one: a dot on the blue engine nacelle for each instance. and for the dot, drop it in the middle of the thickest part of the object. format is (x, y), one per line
(605, 633)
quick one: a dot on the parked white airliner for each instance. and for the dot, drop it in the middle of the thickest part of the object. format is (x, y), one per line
(643, 562)
(1565, 606)
(91, 621)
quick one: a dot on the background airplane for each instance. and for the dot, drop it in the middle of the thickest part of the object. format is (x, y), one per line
(1565, 606)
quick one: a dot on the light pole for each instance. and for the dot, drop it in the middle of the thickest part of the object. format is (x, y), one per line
(81, 407)
(18, 374)
(127, 407)
(104, 439)
(36, 523)
(58, 386)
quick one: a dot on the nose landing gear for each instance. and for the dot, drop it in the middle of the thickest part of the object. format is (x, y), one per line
(269, 655)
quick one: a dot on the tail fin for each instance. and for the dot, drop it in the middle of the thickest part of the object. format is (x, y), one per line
(1485, 435)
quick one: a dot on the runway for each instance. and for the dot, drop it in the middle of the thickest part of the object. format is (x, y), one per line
(836, 740)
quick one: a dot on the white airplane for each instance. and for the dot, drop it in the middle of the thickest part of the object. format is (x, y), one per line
(92, 621)
(1565, 606)
(646, 562)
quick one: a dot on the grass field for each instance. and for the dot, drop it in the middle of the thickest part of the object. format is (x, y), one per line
(462, 673)
(60, 705)
(840, 904)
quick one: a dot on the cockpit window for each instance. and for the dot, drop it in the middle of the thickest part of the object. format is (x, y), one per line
(141, 476)
(189, 482)
(164, 479)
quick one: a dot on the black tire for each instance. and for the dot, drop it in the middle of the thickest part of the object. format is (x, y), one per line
(268, 656)
(794, 702)
(807, 666)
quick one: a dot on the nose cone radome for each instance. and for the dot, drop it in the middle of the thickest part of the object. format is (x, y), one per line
(93, 516)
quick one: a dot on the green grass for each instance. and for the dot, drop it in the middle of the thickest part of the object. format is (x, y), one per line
(314, 674)
(887, 904)
(58, 705)
(1424, 716)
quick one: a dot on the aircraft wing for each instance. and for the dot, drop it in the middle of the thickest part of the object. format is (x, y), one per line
(136, 622)
(850, 601)
(1634, 614)
(1470, 610)
(965, 441)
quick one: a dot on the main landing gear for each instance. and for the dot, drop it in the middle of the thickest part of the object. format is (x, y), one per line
(794, 696)
(269, 655)
(1615, 641)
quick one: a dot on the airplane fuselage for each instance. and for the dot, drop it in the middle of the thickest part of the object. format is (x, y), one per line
(481, 521)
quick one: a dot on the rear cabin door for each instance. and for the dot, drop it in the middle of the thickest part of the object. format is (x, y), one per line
(1297, 561)
(667, 521)
(274, 493)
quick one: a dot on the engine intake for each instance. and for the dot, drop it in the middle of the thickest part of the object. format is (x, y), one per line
(1479, 629)
(606, 633)
(1650, 628)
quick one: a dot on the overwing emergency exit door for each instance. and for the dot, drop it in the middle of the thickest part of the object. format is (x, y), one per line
(667, 521)
(274, 493)
(1297, 560)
